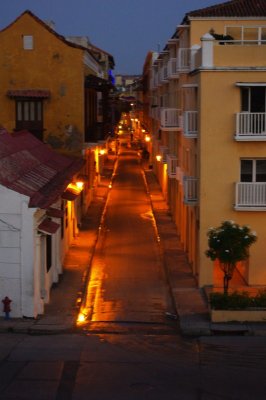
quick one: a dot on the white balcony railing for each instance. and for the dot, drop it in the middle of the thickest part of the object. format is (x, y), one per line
(184, 60)
(170, 118)
(250, 195)
(165, 73)
(181, 63)
(155, 112)
(190, 190)
(163, 151)
(173, 70)
(190, 124)
(250, 126)
(171, 165)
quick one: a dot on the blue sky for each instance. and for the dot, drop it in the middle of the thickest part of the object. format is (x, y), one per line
(127, 29)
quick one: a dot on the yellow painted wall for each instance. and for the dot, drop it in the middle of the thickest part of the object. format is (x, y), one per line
(237, 55)
(53, 65)
(220, 158)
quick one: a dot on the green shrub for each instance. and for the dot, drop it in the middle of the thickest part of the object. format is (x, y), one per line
(237, 300)
(260, 299)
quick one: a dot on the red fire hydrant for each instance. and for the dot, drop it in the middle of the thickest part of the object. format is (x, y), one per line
(6, 302)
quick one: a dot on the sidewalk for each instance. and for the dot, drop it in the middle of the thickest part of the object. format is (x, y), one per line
(190, 302)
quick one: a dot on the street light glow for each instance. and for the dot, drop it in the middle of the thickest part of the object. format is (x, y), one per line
(81, 318)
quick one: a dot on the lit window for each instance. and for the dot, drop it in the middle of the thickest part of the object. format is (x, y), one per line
(27, 42)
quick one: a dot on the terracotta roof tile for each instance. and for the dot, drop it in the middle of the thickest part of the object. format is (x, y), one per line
(233, 8)
(30, 167)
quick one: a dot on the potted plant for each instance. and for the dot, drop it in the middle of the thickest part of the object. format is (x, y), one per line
(229, 243)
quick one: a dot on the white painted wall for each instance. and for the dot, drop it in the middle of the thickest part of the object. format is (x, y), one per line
(23, 275)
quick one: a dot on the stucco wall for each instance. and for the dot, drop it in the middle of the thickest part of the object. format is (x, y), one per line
(220, 158)
(53, 65)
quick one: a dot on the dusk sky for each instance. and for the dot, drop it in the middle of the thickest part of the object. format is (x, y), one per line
(127, 29)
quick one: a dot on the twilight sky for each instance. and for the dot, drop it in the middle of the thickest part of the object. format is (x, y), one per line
(127, 29)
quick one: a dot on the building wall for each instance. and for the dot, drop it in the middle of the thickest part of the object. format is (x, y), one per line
(23, 274)
(213, 157)
(52, 65)
(220, 158)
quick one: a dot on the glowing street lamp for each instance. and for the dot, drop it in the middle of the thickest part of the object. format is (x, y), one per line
(159, 157)
(80, 185)
(147, 138)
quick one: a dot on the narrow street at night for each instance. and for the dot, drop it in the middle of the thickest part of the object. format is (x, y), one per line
(127, 284)
(133, 200)
(126, 348)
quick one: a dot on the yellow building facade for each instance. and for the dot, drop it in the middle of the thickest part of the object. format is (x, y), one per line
(45, 90)
(208, 116)
(40, 65)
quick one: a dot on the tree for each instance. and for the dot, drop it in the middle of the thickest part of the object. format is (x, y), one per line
(229, 243)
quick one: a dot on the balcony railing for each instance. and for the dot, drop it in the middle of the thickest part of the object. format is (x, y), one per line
(250, 126)
(164, 73)
(170, 118)
(163, 151)
(190, 121)
(250, 195)
(190, 190)
(184, 59)
(173, 70)
(155, 112)
(171, 165)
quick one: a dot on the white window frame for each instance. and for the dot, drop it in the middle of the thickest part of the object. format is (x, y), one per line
(254, 168)
(243, 27)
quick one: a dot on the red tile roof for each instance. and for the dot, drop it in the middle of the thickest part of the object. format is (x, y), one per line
(30, 167)
(47, 226)
(234, 8)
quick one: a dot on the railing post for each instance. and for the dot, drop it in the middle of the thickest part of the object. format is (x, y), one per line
(194, 50)
(207, 50)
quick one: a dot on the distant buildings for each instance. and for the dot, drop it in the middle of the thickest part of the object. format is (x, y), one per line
(205, 105)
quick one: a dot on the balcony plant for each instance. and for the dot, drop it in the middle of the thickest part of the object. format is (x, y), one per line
(229, 243)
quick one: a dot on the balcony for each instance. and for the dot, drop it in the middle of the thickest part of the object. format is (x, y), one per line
(163, 151)
(164, 74)
(190, 190)
(190, 122)
(250, 196)
(171, 165)
(155, 112)
(250, 126)
(170, 119)
(179, 64)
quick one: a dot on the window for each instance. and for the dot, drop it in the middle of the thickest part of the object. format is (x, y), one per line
(253, 99)
(29, 116)
(253, 170)
(247, 34)
(28, 42)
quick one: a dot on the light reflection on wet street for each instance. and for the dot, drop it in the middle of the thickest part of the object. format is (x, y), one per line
(127, 280)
